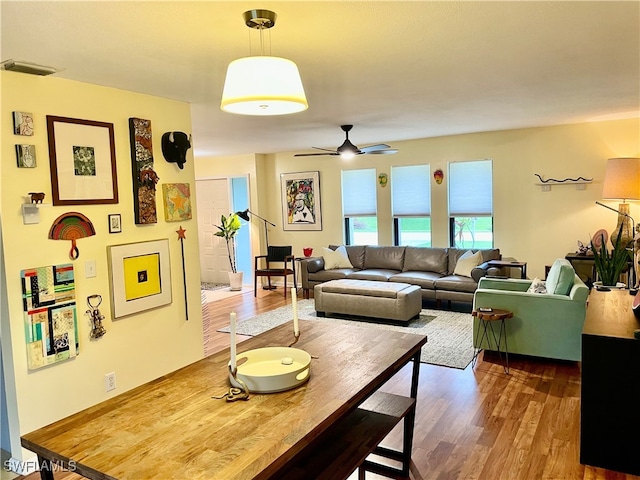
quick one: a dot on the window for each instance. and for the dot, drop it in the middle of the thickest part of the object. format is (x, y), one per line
(471, 204)
(359, 206)
(411, 205)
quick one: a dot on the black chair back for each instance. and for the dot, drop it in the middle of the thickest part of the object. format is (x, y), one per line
(278, 254)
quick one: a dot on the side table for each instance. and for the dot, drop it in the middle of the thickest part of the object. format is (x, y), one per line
(486, 317)
(505, 263)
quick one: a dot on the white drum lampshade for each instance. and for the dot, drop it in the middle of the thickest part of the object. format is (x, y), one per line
(263, 85)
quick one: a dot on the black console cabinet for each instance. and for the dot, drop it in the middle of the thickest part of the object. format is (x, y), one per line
(610, 399)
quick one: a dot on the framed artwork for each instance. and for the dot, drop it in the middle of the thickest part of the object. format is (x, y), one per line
(115, 223)
(50, 318)
(301, 201)
(177, 201)
(82, 155)
(144, 176)
(23, 123)
(26, 156)
(140, 276)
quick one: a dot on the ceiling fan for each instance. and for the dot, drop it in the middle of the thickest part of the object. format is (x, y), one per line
(349, 150)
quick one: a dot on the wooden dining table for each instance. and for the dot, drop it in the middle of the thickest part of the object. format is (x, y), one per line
(172, 427)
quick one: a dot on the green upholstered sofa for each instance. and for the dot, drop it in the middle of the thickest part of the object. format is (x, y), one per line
(545, 325)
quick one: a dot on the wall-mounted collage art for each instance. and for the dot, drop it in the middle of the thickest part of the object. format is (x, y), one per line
(51, 325)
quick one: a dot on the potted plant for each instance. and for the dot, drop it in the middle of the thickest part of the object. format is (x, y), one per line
(610, 264)
(228, 229)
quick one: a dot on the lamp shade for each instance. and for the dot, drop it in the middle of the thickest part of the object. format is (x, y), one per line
(622, 179)
(263, 85)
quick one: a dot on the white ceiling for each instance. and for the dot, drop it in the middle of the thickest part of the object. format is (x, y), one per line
(396, 70)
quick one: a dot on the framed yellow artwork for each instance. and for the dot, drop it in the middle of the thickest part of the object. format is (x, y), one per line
(140, 276)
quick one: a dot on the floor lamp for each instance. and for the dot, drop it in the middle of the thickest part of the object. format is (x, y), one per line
(622, 181)
(245, 216)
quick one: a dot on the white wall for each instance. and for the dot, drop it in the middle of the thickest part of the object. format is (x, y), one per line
(530, 225)
(138, 348)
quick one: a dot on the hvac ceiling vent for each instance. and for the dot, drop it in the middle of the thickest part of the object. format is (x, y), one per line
(26, 67)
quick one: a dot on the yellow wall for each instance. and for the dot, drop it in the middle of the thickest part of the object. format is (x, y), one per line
(530, 225)
(137, 348)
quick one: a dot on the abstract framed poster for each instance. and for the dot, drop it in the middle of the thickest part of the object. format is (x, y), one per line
(140, 276)
(301, 201)
(177, 201)
(82, 155)
(51, 324)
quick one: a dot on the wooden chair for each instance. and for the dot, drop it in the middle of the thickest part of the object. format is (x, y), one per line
(280, 255)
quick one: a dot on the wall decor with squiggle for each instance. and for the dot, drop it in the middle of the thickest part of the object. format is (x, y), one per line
(579, 179)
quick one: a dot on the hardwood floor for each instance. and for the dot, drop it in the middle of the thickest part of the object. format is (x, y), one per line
(474, 423)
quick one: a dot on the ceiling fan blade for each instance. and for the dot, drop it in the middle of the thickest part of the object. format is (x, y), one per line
(325, 149)
(329, 152)
(379, 146)
(387, 151)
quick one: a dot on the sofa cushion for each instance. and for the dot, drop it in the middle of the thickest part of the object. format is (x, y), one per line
(456, 283)
(467, 262)
(387, 258)
(364, 288)
(326, 275)
(425, 280)
(425, 260)
(337, 258)
(456, 253)
(373, 274)
(355, 253)
(560, 277)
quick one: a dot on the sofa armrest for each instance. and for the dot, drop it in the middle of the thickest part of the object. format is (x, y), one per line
(505, 284)
(483, 270)
(307, 266)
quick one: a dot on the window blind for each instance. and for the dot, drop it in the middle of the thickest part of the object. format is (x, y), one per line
(359, 192)
(471, 188)
(410, 191)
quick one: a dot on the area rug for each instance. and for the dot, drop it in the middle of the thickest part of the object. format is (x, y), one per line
(449, 334)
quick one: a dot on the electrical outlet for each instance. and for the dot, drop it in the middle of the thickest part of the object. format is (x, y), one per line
(110, 381)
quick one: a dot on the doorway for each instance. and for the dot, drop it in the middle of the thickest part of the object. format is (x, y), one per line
(216, 197)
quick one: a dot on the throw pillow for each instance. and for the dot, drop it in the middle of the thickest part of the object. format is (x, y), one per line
(537, 286)
(337, 258)
(467, 262)
(560, 277)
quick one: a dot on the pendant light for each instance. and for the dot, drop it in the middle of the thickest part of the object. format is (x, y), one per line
(262, 85)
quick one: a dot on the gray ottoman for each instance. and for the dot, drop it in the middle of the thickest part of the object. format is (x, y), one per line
(365, 298)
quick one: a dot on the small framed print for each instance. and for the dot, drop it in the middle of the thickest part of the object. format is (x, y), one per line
(26, 156)
(23, 123)
(115, 223)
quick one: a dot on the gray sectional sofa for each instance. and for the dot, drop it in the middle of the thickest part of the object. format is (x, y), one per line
(429, 268)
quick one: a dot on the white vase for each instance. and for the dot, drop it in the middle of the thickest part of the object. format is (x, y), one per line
(235, 280)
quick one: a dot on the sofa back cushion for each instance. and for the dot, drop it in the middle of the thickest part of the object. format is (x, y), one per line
(355, 254)
(560, 277)
(456, 253)
(387, 258)
(422, 259)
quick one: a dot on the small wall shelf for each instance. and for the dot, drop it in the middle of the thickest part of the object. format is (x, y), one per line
(31, 212)
(580, 182)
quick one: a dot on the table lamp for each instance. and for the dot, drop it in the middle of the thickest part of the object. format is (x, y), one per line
(622, 182)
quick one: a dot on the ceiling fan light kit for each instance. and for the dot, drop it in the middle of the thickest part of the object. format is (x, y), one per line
(348, 150)
(263, 85)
